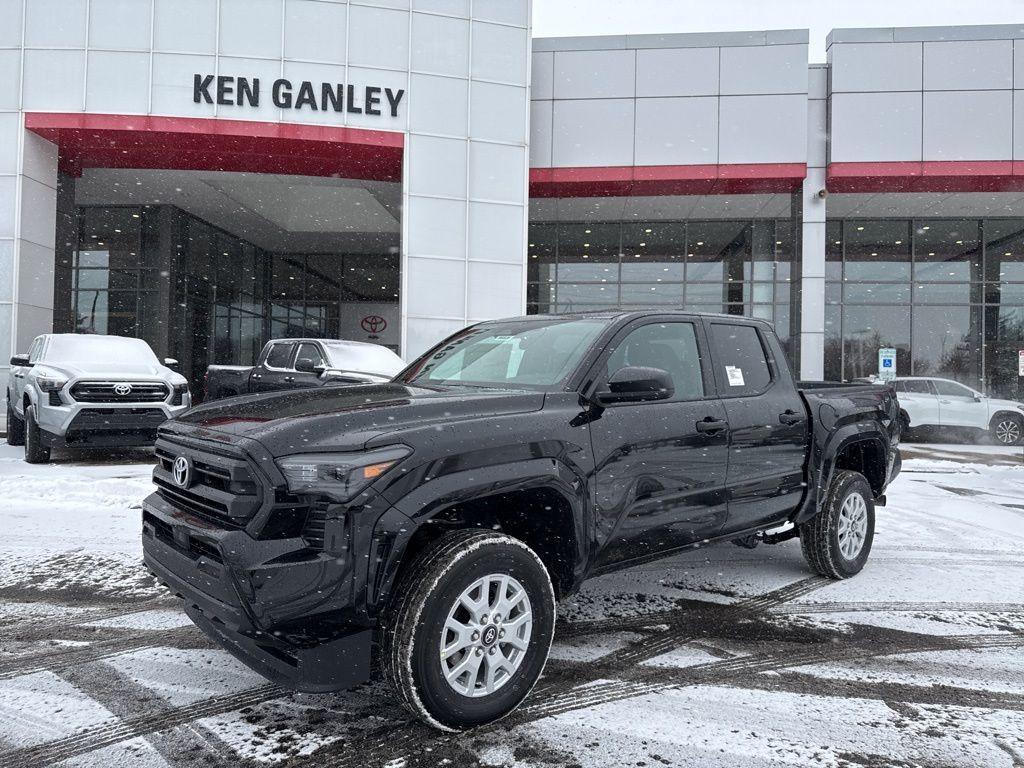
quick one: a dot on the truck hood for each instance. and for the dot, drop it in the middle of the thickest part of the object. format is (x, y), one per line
(347, 418)
(122, 369)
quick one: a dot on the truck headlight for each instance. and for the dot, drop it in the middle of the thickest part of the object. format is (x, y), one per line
(340, 476)
(51, 383)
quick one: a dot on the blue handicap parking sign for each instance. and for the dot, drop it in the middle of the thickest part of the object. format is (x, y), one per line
(887, 363)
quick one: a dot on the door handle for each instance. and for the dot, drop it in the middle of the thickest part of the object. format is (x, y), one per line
(790, 418)
(257, 375)
(289, 379)
(944, 402)
(711, 425)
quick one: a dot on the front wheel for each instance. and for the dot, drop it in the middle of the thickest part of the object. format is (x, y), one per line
(837, 541)
(15, 426)
(1008, 430)
(36, 452)
(470, 630)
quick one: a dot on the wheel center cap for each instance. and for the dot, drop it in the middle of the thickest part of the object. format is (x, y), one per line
(489, 635)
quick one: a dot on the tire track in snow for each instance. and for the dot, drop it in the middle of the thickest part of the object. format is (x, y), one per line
(98, 737)
(65, 658)
(549, 703)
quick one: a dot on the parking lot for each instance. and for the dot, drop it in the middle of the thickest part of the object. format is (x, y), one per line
(719, 657)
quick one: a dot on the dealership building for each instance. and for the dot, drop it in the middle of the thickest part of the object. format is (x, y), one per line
(209, 174)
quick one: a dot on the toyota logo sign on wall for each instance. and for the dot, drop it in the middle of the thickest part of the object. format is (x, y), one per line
(182, 471)
(373, 324)
(121, 390)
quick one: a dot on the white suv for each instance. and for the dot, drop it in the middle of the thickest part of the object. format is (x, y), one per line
(930, 402)
(83, 390)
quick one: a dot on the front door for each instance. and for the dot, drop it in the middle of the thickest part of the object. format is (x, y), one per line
(659, 480)
(959, 406)
(768, 429)
(309, 351)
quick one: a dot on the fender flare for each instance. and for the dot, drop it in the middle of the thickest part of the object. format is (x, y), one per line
(396, 528)
(823, 458)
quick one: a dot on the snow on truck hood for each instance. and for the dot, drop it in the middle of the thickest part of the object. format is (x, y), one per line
(121, 369)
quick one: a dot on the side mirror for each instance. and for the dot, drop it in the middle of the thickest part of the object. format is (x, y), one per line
(637, 384)
(320, 370)
(20, 361)
(305, 365)
(977, 398)
(170, 362)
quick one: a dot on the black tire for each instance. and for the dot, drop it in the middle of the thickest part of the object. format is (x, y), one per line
(35, 451)
(15, 426)
(1007, 429)
(412, 633)
(819, 536)
(904, 425)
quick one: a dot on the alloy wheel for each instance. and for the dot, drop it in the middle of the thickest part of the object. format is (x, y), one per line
(1008, 432)
(486, 635)
(853, 525)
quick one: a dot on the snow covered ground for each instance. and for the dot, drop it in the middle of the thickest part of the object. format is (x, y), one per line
(722, 657)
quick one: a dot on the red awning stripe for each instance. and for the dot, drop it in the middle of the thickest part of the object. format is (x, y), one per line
(173, 143)
(662, 180)
(927, 176)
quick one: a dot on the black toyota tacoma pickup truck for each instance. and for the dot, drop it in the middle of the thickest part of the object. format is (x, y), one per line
(427, 526)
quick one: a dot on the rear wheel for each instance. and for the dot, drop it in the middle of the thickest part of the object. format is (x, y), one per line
(15, 426)
(35, 451)
(837, 541)
(1008, 429)
(470, 630)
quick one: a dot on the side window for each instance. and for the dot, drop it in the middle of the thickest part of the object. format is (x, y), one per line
(279, 356)
(742, 366)
(901, 386)
(952, 389)
(669, 346)
(916, 387)
(311, 351)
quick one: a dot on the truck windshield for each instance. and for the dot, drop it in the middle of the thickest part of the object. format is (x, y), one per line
(523, 353)
(363, 358)
(87, 348)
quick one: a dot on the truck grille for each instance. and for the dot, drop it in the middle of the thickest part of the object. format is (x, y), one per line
(114, 392)
(223, 486)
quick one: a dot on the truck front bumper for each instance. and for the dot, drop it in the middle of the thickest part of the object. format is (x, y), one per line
(81, 424)
(233, 585)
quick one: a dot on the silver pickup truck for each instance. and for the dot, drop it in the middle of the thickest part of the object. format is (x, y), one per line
(83, 390)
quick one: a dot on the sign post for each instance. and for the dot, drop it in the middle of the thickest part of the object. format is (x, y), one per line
(887, 364)
(1020, 362)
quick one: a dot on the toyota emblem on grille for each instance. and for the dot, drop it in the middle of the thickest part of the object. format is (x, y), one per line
(182, 471)
(122, 389)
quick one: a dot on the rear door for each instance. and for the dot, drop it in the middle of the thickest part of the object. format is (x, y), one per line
(275, 371)
(959, 406)
(768, 429)
(659, 481)
(917, 397)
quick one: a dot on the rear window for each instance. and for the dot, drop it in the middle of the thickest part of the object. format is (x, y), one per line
(742, 366)
(279, 355)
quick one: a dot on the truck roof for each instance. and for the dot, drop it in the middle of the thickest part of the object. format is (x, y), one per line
(614, 314)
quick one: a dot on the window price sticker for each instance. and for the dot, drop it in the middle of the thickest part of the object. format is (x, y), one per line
(735, 376)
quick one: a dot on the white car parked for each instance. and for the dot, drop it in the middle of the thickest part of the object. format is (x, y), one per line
(931, 402)
(83, 390)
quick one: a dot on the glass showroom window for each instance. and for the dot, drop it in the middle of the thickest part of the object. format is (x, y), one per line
(109, 287)
(948, 294)
(737, 267)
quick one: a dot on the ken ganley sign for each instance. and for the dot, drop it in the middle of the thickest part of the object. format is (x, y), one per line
(228, 90)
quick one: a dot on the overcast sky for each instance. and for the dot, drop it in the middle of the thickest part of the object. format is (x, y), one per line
(558, 18)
